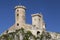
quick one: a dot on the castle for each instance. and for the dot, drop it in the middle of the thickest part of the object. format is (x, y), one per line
(37, 21)
(38, 24)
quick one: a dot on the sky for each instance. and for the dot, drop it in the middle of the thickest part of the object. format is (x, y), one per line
(50, 10)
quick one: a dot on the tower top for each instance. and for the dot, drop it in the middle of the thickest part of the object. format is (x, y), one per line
(20, 6)
(37, 14)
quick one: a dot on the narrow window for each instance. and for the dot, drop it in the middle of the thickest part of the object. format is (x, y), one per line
(17, 24)
(17, 16)
(34, 25)
(17, 10)
(39, 19)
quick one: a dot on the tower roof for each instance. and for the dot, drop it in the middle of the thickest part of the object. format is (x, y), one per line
(37, 14)
(20, 6)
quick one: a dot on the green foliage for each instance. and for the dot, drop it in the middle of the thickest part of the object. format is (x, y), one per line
(26, 36)
(46, 35)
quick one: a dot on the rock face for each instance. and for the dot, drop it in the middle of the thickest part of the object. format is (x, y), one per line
(22, 31)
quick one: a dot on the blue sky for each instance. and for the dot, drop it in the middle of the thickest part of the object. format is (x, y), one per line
(49, 8)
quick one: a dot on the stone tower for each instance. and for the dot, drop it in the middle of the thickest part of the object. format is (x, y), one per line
(37, 21)
(19, 16)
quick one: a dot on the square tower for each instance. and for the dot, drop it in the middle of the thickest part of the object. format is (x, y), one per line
(37, 21)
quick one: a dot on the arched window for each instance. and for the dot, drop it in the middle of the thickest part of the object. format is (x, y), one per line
(38, 32)
(17, 16)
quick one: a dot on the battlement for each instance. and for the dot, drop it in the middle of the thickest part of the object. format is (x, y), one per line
(37, 14)
(20, 6)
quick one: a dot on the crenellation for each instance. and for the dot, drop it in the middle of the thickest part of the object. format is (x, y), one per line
(20, 6)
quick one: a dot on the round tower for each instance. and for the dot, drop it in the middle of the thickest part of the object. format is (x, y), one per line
(19, 16)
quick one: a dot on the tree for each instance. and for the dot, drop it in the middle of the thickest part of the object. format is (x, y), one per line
(45, 35)
(48, 36)
(27, 35)
(18, 32)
